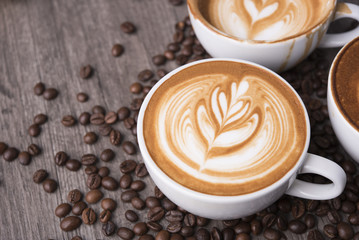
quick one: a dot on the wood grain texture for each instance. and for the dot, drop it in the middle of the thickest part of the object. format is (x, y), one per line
(48, 41)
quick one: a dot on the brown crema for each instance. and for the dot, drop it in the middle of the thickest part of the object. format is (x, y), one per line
(225, 128)
(345, 82)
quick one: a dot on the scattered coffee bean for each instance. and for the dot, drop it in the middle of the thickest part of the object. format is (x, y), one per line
(115, 137)
(203, 234)
(3, 147)
(129, 148)
(297, 226)
(108, 228)
(271, 234)
(269, 220)
(141, 170)
(154, 226)
(168, 204)
(138, 203)
(93, 181)
(174, 227)
(131, 216)
(111, 118)
(125, 181)
(125, 233)
(136, 88)
(103, 171)
(129, 122)
(330, 231)
(348, 206)
(88, 159)
(70, 223)
(312, 205)
(39, 176)
(174, 216)
(334, 217)
(68, 121)
(97, 119)
(78, 208)
(140, 229)
(146, 237)
(105, 129)
(90, 138)
(345, 231)
(117, 50)
(34, 130)
(353, 219)
(39, 89)
(315, 235)
(98, 109)
(128, 27)
(128, 166)
(63, 210)
(145, 75)
(169, 55)
(50, 94)
(109, 183)
(84, 118)
(74, 196)
(40, 119)
(298, 208)
(138, 185)
(89, 216)
(242, 227)
(159, 60)
(256, 227)
(309, 220)
(127, 196)
(73, 165)
(61, 158)
(82, 97)
(91, 170)
(107, 155)
(105, 216)
(24, 158)
(228, 234)
(158, 193)
(34, 149)
(49, 185)
(86, 71)
(155, 214)
(163, 235)
(201, 221)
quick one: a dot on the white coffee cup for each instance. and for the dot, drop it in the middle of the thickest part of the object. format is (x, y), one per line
(231, 207)
(278, 55)
(347, 134)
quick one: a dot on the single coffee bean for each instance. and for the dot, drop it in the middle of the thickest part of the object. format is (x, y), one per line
(136, 88)
(68, 121)
(10, 154)
(70, 223)
(269, 220)
(40, 119)
(93, 181)
(88, 159)
(146, 237)
(174, 216)
(138, 203)
(111, 118)
(138, 185)
(73, 165)
(117, 50)
(309, 220)
(271, 234)
(115, 137)
(61, 158)
(34, 130)
(108, 228)
(125, 181)
(163, 235)
(105, 216)
(125, 233)
(215, 233)
(128, 166)
(84, 118)
(129, 148)
(203, 234)
(348, 206)
(189, 219)
(3, 147)
(123, 113)
(131, 216)
(39, 89)
(156, 227)
(93, 196)
(97, 119)
(315, 235)
(256, 227)
(105, 129)
(78, 208)
(345, 231)
(146, 90)
(174, 227)
(109, 183)
(297, 226)
(129, 122)
(50, 94)
(242, 227)
(155, 214)
(34, 149)
(159, 60)
(181, 59)
(353, 219)
(186, 231)
(169, 55)
(178, 37)
(168, 204)
(230, 223)
(243, 236)
(228, 234)
(136, 105)
(201, 221)
(158, 193)
(62, 210)
(86, 71)
(140, 229)
(89, 216)
(298, 208)
(334, 217)
(127, 196)
(49, 185)
(90, 138)
(82, 97)
(322, 209)
(128, 27)
(24, 158)
(104, 171)
(74, 196)
(107, 155)
(98, 109)
(312, 205)
(198, 50)
(330, 231)
(145, 75)
(39, 176)
(91, 170)
(284, 205)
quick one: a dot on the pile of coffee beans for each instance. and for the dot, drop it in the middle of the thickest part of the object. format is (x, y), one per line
(157, 217)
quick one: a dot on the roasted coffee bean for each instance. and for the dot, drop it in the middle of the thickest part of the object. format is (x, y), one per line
(111, 118)
(123, 113)
(145, 75)
(39, 176)
(129, 122)
(129, 148)
(348, 166)
(107, 155)
(93, 196)
(334, 217)
(62, 210)
(125, 181)
(256, 227)
(345, 231)
(70, 223)
(73, 165)
(50, 94)
(74, 196)
(40, 119)
(105, 129)
(351, 195)
(108, 228)
(141, 170)
(189, 220)
(140, 229)
(146, 237)
(187, 231)
(105, 216)
(174, 216)
(297, 226)
(178, 37)
(348, 206)
(138, 203)
(89, 216)
(97, 119)
(242, 227)
(109, 183)
(39, 89)
(201, 221)
(174, 227)
(90, 138)
(24, 158)
(187, 51)
(315, 235)
(158, 193)
(154, 226)
(155, 214)
(138, 185)
(88, 159)
(78, 208)
(282, 223)
(298, 208)
(198, 50)
(146, 89)
(168, 204)
(84, 118)
(243, 236)
(117, 50)
(10, 154)
(125, 233)
(128, 166)
(115, 137)
(61, 158)
(91, 170)
(104, 171)
(309, 220)
(68, 121)
(159, 60)
(353, 219)
(181, 59)
(33, 149)
(131, 216)
(82, 97)
(3, 147)
(230, 223)
(34, 130)
(173, 47)
(136, 104)
(177, 236)
(228, 234)
(163, 235)
(94, 181)
(271, 234)
(169, 55)
(98, 109)
(330, 231)
(127, 196)
(49, 185)
(269, 220)
(322, 209)
(312, 205)
(86, 71)
(128, 27)
(203, 234)
(284, 205)
(215, 233)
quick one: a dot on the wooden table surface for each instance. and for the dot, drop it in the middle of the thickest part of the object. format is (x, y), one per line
(48, 41)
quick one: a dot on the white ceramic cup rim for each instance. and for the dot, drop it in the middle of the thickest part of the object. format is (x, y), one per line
(215, 198)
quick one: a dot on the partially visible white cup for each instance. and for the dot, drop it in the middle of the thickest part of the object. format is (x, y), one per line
(278, 55)
(344, 127)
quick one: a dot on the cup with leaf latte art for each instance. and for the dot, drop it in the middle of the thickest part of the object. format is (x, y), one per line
(228, 130)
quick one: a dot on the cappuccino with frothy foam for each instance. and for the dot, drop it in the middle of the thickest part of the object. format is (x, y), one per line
(224, 128)
(264, 19)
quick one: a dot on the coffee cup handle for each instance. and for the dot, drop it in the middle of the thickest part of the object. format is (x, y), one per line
(324, 167)
(344, 10)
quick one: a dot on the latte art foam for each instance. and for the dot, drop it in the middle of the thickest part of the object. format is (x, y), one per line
(264, 19)
(224, 133)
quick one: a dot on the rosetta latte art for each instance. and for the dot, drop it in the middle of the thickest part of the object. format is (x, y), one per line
(265, 19)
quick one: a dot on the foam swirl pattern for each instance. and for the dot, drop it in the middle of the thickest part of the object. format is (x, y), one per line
(265, 19)
(225, 134)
